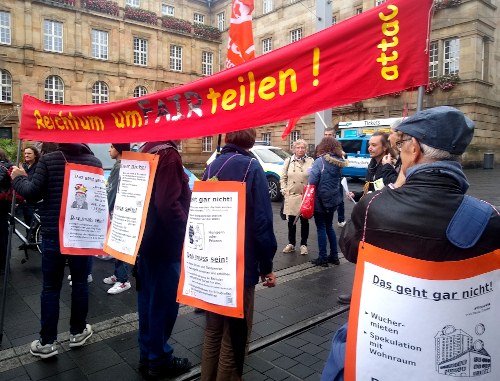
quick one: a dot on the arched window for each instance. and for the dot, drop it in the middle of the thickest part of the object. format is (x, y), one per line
(140, 91)
(100, 93)
(5, 86)
(54, 90)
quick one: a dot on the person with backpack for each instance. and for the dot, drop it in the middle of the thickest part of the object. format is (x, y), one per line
(31, 157)
(5, 188)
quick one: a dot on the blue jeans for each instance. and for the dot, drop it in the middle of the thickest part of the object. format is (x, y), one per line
(53, 263)
(121, 271)
(324, 227)
(341, 212)
(158, 309)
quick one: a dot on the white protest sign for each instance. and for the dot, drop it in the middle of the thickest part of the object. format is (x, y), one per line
(130, 200)
(85, 220)
(412, 328)
(210, 248)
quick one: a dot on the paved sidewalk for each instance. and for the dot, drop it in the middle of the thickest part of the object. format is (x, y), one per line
(304, 294)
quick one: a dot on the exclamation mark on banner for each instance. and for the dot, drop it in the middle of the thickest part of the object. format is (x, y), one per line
(316, 66)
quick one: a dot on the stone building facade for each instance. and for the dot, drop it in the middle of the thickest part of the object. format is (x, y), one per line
(465, 41)
(66, 52)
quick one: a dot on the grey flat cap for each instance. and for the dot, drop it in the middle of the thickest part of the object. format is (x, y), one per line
(444, 128)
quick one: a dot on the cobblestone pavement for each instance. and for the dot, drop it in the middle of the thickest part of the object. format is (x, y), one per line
(293, 325)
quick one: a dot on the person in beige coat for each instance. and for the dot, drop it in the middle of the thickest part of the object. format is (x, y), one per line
(294, 178)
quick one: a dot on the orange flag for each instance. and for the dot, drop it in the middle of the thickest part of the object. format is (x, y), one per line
(240, 46)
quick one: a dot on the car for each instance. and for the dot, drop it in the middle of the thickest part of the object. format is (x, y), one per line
(271, 160)
(358, 156)
(101, 152)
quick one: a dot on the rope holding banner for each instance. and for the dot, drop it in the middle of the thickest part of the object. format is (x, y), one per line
(366, 219)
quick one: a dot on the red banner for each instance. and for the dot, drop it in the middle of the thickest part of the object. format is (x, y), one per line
(240, 46)
(380, 51)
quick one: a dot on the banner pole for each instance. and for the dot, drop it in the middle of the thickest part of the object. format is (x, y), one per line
(9, 249)
(420, 98)
(322, 121)
(218, 144)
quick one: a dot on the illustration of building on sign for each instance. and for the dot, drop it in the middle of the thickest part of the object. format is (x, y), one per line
(458, 356)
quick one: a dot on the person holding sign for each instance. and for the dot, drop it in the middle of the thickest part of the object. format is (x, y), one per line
(47, 185)
(159, 263)
(220, 360)
(404, 296)
(119, 279)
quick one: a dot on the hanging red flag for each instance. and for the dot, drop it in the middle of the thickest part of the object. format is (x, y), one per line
(240, 46)
(289, 127)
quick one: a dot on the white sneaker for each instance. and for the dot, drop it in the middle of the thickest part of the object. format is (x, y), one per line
(303, 250)
(43, 351)
(289, 248)
(80, 338)
(119, 287)
(89, 279)
(110, 280)
(341, 224)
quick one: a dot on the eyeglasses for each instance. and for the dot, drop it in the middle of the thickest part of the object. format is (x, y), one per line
(400, 142)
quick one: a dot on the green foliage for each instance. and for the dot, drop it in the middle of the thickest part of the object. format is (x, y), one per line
(10, 148)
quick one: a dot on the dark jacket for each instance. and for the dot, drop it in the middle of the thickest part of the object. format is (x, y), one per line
(5, 183)
(48, 179)
(30, 171)
(325, 175)
(373, 172)
(112, 185)
(260, 242)
(412, 221)
(168, 208)
(389, 173)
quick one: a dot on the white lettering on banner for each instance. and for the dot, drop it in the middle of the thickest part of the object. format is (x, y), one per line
(419, 329)
(129, 205)
(210, 248)
(86, 220)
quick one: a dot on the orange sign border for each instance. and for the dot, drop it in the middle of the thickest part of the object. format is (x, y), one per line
(153, 164)
(418, 268)
(62, 215)
(223, 186)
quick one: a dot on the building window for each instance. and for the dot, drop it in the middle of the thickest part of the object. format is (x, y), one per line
(140, 51)
(266, 136)
(5, 86)
(293, 1)
(451, 56)
(295, 35)
(294, 136)
(267, 45)
(133, 3)
(267, 6)
(99, 44)
(54, 90)
(175, 58)
(199, 19)
(53, 36)
(4, 27)
(206, 144)
(167, 10)
(100, 93)
(380, 2)
(207, 63)
(179, 146)
(334, 20)
(359, 11)
(221, 21)
(433, 60)
(140, 91)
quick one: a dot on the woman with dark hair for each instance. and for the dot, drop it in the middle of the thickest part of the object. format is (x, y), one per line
(5, 184)
(31, 157)
(325, 175)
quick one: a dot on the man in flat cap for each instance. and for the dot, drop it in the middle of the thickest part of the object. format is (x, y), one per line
(414, 220)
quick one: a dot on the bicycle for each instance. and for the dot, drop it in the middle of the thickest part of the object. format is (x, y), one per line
(33, 238)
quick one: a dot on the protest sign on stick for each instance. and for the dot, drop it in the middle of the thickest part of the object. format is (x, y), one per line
(135, 183)
(213, 261)
(84, 218)
(419, 320)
